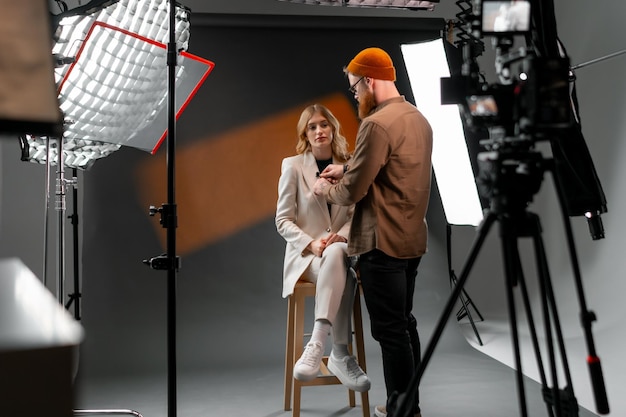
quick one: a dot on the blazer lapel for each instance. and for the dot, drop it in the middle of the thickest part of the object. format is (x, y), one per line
(309, 169)
(310, 174)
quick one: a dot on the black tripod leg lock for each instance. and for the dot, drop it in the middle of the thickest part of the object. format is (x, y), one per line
(567, 402)
(587, 317)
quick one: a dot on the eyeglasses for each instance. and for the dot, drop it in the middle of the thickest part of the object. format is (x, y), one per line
(352, 88)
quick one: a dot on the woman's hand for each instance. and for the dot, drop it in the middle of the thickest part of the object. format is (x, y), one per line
(317, 247)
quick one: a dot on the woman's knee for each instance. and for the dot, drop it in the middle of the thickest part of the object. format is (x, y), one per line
(339, 250)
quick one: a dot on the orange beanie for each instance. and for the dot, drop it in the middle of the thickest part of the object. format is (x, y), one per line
(373, 63)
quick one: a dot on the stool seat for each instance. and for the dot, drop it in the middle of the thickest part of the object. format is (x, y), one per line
(296, 307)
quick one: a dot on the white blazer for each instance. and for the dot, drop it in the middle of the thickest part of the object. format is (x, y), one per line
(302, 217)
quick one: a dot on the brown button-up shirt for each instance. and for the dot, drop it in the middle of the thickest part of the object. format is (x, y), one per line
(389, 180)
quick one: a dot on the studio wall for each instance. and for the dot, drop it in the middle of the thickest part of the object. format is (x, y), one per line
(230, 142)
(231, 139)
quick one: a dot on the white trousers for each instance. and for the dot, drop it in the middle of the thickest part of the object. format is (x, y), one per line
(335, 285)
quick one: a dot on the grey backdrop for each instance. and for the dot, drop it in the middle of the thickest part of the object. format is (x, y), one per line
(229, 294)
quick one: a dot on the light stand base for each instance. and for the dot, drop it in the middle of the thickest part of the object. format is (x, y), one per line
(465, 299)
(106, 412)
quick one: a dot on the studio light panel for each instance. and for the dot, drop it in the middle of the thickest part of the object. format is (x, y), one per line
(113, 80)
(426, 64)
(114, 89)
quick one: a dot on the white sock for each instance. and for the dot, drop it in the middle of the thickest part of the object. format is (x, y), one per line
(340, 351)
(320, 331)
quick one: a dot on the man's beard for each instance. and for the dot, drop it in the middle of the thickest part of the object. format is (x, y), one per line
(367, 102)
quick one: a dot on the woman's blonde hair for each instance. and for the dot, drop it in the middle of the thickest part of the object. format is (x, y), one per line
(339, 144)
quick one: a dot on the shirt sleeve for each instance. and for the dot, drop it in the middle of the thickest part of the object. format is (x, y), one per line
(371, 153)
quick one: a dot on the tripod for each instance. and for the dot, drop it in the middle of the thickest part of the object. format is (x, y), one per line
(510, 179)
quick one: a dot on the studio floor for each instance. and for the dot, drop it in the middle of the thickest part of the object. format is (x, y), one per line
(459, 381)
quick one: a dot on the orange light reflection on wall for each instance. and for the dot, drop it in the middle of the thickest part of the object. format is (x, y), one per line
(228, 182)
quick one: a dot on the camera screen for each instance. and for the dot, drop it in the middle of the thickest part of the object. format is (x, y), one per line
(482, 106)
(505, 17)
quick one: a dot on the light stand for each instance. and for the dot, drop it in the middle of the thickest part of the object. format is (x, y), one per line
(110, 88)
(103, 412)
(60, 207)
(170, 261)
(44, 278)
(74, 298)
(466, 301)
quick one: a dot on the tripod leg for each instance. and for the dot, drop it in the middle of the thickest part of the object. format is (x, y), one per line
(561, 402)
(399, 407)
(520, 279)
(532, 329)
(587, 317)
(512, 273)
(564, 402)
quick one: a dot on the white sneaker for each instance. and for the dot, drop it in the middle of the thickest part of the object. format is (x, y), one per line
(348, 371)
(381, 411)
(308, 366)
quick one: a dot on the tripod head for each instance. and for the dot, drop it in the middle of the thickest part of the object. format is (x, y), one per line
(510, 178)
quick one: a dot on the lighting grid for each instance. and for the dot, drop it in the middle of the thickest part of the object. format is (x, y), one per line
(112, 81)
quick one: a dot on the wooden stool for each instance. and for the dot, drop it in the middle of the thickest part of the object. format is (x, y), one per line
(295, 347)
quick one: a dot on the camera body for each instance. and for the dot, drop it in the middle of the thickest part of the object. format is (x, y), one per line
(535, 101)
(533, 93)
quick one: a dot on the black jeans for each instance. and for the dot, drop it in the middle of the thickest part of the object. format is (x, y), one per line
(388, 285)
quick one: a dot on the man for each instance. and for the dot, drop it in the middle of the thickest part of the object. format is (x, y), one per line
(389, 179)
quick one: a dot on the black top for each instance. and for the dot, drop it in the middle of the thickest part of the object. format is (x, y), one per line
(321, 165)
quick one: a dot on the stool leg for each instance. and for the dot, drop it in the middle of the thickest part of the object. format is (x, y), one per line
(351, 398)
(299, 313)
(289, 352)
(295, 347)
(297, 390)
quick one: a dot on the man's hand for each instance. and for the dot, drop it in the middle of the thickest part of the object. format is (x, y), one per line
(333, 173)
(320, 184)
(334, 237)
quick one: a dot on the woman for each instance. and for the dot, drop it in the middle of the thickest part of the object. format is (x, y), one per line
(316, 250)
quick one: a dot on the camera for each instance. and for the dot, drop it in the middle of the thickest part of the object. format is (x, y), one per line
(533, 93)
(533, 101)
